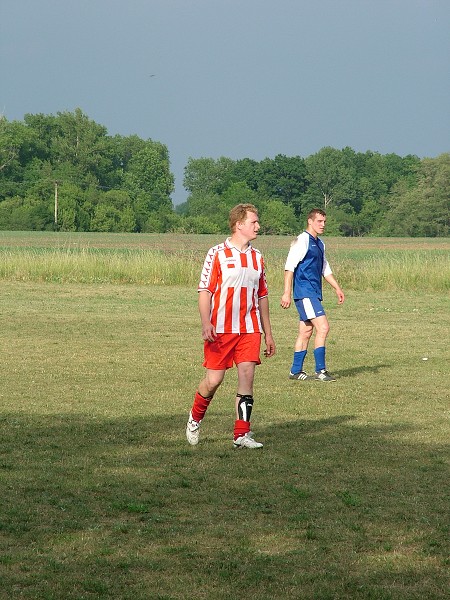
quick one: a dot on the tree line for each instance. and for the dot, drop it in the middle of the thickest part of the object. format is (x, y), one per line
(64, 172)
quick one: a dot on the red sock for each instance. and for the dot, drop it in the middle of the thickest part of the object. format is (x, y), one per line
(200, 406)
(241, 428)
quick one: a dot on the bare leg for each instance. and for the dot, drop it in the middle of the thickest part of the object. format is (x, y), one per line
(210, 383)
(305, 330)
(246, 375)
(322, 328)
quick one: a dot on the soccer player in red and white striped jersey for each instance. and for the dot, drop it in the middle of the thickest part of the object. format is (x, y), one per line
(234, 311)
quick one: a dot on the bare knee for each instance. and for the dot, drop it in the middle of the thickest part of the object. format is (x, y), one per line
(305, 331)
(246, 370)
(246, 374)
(306, 335)
(322, 328)
(211, 382)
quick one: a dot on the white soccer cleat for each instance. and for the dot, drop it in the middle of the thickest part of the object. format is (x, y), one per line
(246, 441)
(192, 430)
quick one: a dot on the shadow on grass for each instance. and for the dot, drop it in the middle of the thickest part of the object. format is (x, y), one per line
(362, 369)
(124, 508)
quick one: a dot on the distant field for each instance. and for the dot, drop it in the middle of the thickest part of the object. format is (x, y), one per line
(168, 242)
(172, 259)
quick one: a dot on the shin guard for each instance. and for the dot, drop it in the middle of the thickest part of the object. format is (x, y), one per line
(245, 406)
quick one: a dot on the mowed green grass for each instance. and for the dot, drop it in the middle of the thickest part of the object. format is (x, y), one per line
(102, 497)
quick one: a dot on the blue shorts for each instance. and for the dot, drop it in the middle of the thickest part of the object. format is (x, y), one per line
(309, 308)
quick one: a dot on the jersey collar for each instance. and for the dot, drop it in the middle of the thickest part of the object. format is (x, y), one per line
(230, 245)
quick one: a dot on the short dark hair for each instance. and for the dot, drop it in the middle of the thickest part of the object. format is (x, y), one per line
(315, 211)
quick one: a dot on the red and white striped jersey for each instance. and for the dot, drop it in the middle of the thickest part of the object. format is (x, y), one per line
(236, 281)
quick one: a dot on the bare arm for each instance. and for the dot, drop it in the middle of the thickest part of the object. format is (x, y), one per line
(286, 297)
(334, 284)
(267, 328)
(204, 307)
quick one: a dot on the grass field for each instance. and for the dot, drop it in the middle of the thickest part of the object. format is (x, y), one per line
(101, 496)
(364, 264)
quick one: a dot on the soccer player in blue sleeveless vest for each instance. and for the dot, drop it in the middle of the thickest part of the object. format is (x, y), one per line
(305, 267)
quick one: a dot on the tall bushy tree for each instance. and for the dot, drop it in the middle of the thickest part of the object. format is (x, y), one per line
(217, 185)
(148, 173)
(24, 214)
(277, 218)
(283, 178)
(149, 182)
(76, 154)
(81, 142)
(331, 173)
(18, 147)
(249, 171)
(208, 176)
(114, 212)
(422, 210)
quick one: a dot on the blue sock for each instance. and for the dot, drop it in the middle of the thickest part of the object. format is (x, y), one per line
(299, 358)
(319, 357)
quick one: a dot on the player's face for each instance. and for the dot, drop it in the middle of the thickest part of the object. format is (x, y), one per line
(317, 224)
(250, 227)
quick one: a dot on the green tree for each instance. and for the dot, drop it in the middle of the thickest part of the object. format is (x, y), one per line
(162, 221)
(106, 218)
(82, 143)
(10, 143)
(148, 181)
(197, 225)
(208, 176)
(238, 193)
(277, 218)
(215, 208)
(422, 210)
(283, 178)
(248, 171)
(330, 173)
(68, 207)
(113, 212)
(121, 150)
(211, 207)
(18, 146)
(25, 214)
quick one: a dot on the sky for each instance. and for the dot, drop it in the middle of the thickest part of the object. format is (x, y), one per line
(236, 78)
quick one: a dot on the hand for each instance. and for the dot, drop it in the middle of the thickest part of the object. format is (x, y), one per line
(270, 347)
(340, 295)
(209, 333)
(286, 300)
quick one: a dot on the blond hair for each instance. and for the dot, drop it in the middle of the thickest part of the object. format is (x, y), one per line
(239, 213)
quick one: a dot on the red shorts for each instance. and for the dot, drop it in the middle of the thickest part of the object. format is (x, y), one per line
(232, 347)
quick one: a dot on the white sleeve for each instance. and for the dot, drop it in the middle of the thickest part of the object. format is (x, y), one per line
(297, 252)
(326, 269)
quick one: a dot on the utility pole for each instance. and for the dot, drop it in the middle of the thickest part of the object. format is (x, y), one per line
(56, 204)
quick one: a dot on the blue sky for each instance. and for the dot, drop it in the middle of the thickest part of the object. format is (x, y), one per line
(236, 78)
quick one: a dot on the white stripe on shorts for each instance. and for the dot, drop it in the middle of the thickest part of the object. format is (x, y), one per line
(309, 310)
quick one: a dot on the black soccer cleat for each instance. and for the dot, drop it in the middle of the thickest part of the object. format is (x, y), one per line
(300, 376)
